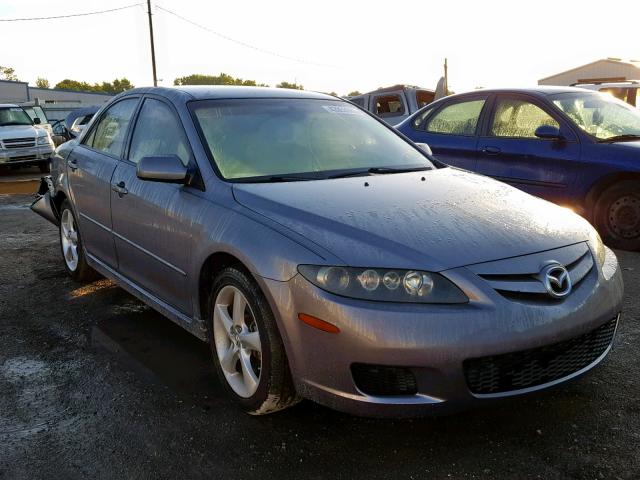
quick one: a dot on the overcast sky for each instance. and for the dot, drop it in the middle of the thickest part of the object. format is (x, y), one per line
(349, 45)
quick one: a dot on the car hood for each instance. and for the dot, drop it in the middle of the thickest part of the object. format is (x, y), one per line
(432, 220)
(19, 131)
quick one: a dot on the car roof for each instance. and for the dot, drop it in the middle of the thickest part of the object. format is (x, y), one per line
(539, 91)
(211, 92)
(8, 105)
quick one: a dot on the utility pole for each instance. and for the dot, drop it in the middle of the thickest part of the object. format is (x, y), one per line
(446, 78)
(153, 49)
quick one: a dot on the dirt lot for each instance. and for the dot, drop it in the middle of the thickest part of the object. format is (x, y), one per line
(94, 384)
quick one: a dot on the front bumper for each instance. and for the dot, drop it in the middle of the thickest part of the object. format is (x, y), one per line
(23, 156)
(432, 341)
(43, 204)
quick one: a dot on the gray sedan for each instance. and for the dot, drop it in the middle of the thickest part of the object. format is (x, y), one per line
(323, 255)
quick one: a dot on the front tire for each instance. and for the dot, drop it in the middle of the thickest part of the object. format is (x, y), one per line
(617, 215)
(246, 346)
(74, 260)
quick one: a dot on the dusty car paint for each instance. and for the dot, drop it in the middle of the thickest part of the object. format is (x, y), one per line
(443, 220)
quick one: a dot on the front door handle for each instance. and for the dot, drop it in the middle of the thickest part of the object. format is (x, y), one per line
(72, 163)
(120, 189)
(491, 150)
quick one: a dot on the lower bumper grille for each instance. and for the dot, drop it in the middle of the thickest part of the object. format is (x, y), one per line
(382, 380)
(537, 366)
(23, 158)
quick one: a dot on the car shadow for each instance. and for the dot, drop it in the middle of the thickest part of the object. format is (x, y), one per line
(164, 354)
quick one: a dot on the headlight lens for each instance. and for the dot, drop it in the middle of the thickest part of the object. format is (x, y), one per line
(46, 140)
(598, 247)
(384, 285)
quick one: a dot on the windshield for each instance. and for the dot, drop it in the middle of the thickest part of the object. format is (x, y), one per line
(270, 137)
(13, 116)
(600, 115)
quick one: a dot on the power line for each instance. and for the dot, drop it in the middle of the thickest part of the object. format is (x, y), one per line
(241, 43)
(70, 15)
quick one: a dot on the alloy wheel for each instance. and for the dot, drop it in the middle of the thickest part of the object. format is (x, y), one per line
(237, 341)
(69, 239)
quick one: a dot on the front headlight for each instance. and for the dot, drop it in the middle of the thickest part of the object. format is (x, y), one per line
(45, 140)
(598, 247)
(384, 285)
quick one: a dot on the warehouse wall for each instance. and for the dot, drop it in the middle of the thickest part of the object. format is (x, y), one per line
(599, 69)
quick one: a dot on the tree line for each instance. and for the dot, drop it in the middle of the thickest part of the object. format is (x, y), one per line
(121, 84)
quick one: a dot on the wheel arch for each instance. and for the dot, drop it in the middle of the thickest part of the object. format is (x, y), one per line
(212, 265)
(605, 182)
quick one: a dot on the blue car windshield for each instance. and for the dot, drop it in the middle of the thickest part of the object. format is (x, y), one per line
(270, 137)
(600, 115)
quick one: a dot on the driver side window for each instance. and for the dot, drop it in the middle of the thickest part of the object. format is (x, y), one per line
(158, 132)
(519, 119)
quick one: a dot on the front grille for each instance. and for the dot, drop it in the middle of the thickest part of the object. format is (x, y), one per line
(537, 366)
(23, 158)
(19, 142)
(519, 279)
(382, 380)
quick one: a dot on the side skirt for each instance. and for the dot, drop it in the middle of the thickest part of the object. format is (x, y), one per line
(192, 325)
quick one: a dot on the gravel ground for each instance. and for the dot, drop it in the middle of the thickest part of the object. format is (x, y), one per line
(95, 384)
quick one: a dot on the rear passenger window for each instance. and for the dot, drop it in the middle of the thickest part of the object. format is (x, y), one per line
(457, 119)
(158, 132)
(519, 119)
(389, 106)
(110, 133)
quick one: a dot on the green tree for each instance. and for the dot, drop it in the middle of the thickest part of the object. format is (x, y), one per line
(222, 79)
(42, 82)
(292, 86)
(8, 73)
(115, 87)
(355, 93)
(112, 88)
(68, 84)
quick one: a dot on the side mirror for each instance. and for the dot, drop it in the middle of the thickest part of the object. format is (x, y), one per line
(163, 168)
(36, 121)
(548, 132)
(424, 147)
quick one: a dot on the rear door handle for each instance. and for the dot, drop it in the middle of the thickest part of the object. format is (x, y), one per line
(72, 163)
(120, 189)
(491, 150)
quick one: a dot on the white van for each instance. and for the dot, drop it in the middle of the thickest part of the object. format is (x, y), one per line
(626, 91)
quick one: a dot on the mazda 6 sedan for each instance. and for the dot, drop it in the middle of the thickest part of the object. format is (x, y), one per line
(324, 256)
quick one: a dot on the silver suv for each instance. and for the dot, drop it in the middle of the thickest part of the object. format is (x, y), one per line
(21, 143)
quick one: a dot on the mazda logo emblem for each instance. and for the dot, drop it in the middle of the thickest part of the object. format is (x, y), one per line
(556, 280)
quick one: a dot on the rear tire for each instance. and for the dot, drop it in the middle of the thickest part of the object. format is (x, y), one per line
(72, 248)
(246, 346)
(617, 215)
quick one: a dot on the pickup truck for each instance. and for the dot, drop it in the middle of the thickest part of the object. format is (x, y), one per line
(394, 104)
(21, 143)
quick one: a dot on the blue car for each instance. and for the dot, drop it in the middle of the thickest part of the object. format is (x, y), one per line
(571, 146)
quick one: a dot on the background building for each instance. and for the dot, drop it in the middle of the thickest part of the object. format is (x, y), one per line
(56, 103)
(605, 70)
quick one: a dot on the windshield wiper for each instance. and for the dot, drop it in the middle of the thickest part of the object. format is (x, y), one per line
(278, 178)
(379, 171)
(620, 138)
